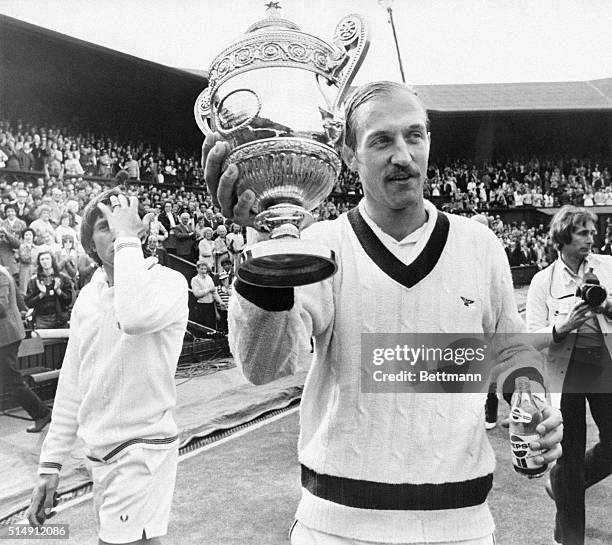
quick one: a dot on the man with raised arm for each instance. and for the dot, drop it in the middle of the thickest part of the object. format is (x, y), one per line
(116, 388)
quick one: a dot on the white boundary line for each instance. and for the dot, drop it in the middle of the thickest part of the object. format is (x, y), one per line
(88, 496)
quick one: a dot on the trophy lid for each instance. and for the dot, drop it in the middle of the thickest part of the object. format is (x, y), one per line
(272, 20)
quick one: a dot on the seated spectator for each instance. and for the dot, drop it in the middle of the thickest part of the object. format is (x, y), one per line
(200, 226)
(53, 165)
(22, 207)
(49, 293)
(156, 227)
(67, 259)
(72, 166)
(64, 229)
(154, 248)
(24, 155)
(132, 167)
(49, 244)
(105, 169)
(12, 223)
(72, 208)
(27, 259)
(599, 198)
(43, 225)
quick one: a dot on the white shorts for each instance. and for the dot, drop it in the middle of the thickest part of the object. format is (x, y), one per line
(301, 534)
(133, 494)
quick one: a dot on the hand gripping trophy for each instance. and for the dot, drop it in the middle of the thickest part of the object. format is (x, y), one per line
(276, 96)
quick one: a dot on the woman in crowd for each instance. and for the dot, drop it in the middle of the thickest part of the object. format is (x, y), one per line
(156, 227)
(220, 250)
(48, 243)
(67, 259)
(49, 294)
(27, 259)
(64, 229)
(205, 293)
(200, 227)
(206, 247)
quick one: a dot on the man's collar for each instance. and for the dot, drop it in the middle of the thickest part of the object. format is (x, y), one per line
(430, 219)
(568, 276)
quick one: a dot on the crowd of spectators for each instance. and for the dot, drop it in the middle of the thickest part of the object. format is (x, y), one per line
(61, 153)
(40, 213)
(523, 182)
(553, 182)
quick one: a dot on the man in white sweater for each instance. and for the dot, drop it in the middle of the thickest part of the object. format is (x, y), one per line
(116, 388)
(382, 467)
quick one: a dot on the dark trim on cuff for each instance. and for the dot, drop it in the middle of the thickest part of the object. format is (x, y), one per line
(270, 299)
(397, 497)
(50, 465)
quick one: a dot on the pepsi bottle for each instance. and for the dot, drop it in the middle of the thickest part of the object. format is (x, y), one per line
(524, 419)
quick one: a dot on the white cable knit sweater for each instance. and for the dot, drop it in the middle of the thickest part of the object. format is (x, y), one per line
(385, 438)
(116, 387)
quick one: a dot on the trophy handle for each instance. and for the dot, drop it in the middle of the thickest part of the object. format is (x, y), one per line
(352, 38)
(202, 110)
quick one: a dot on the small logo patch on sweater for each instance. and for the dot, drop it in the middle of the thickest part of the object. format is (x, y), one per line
(124, 518)
(467, 302)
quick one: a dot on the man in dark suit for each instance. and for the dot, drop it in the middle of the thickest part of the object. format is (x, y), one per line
(24, 212)
(11, 334)
(169, 220)
(185, 237)
(155, 248)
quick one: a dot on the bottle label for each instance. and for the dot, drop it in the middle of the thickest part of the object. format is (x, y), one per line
(522, 455)
(520, 416)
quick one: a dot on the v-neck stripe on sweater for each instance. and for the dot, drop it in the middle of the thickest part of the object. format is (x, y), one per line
(407, 275)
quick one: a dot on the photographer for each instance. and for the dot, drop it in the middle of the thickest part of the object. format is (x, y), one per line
(566, 304)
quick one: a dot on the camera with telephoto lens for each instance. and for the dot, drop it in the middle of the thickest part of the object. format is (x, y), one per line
(591, 291)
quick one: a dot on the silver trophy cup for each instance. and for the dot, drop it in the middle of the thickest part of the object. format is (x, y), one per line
(276, 95)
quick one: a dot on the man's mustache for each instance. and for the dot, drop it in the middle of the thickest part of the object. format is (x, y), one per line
(400, 173)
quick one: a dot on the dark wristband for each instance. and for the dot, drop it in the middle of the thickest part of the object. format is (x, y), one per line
(271, 299)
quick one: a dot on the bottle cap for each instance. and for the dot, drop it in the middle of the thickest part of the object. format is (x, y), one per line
(521, 383)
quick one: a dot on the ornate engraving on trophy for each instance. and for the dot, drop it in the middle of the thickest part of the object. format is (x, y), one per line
(276, 95)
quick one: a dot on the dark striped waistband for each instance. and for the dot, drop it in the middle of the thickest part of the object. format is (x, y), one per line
(138, 440)
(400, 497)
